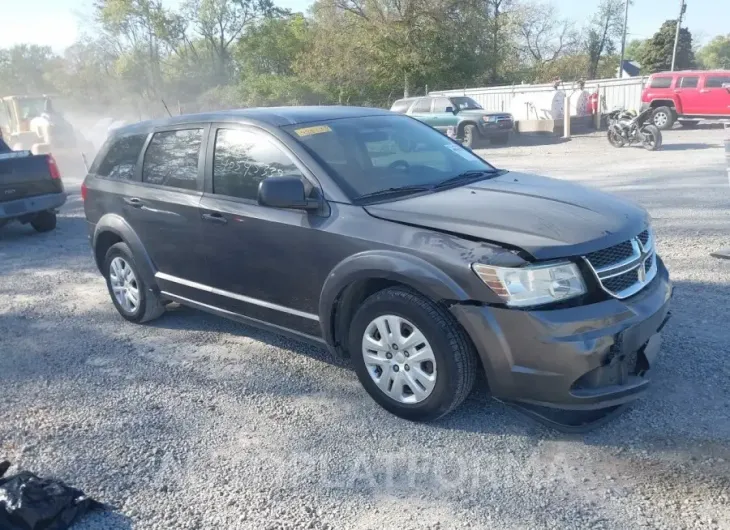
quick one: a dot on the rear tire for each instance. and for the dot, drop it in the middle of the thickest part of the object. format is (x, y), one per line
(471, 135)
(656, 135)
(453, 366)
(663, 118)
(44, 221)
(132, 298)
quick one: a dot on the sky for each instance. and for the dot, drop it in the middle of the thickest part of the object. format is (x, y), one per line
(58, 23)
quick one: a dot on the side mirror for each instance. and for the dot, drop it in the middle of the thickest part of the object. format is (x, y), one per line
(450, 109)
(285, 192)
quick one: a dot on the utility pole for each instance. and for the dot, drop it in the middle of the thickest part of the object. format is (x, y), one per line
(682, 9)
(623, 42)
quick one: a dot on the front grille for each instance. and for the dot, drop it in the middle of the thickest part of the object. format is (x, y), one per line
(621, 282)
(624, 269)
(611, 255)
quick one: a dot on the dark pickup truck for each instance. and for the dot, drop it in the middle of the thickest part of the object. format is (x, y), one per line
(31, 189)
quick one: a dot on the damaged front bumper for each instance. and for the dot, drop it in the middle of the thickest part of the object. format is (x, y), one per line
(586, 358)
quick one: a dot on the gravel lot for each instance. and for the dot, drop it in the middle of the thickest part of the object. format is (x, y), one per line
(197, 422)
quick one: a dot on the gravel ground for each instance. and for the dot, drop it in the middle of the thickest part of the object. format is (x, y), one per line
(197, 422)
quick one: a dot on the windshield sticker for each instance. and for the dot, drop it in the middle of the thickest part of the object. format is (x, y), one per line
(463, 153)
(309, 131)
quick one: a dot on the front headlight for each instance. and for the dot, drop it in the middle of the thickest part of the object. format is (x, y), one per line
(489, 119)
(533, 285)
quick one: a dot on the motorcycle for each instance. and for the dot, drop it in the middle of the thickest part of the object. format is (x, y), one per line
(626, 128)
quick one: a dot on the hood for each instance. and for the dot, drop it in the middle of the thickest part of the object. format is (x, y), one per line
(545, 217)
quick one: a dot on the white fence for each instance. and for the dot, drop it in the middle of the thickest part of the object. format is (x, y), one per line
(614, 93)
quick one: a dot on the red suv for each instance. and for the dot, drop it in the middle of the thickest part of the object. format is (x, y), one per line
(687, 96)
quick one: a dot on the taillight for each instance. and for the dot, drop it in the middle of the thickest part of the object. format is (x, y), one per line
(83, 191)
(53, 168)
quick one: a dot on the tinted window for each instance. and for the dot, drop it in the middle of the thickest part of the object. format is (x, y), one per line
(689, 82)
(376, 153)
(464, 103)
(120, 161)
(172, 159)
(717, 81)
(661, 82)
(422, 105)
(242, 159)
(440, 104)
(401, 105)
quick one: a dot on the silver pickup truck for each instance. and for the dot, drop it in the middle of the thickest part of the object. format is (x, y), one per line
(31, 190)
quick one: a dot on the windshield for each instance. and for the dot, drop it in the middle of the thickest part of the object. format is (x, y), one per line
(30, 108)
(463, 103)
(376, 153)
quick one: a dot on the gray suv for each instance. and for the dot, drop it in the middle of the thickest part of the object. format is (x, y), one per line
(372, 234)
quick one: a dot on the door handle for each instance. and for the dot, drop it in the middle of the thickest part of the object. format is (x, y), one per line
(704, 91)
(134, 202)
(215, 218)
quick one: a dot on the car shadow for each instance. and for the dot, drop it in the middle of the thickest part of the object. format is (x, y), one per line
(528, 140)
(688, 147)
(187, 318)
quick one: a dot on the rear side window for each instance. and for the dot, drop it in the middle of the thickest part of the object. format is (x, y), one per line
(401, 105)
(717, 81)
(242, 159)
(689, 82)
(661, 82)
(440, 104)
(172, 159)
(422, 105)
(120, 161)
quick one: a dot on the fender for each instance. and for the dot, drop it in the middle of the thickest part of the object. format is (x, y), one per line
(388, 265)
(116, 224)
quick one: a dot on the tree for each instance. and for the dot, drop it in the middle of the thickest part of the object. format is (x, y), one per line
(716, 53)
(605, 28)
(221, 22)
(634, 49)
(23, 69)
(544, 38)
(656, 54)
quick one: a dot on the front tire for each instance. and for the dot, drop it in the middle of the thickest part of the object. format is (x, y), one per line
(614, 138)
(663, 118)
(133, 300)
(471, 135)
(44, 222)
(411, 355)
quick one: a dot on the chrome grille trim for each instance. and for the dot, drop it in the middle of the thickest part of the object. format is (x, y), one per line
(640, 265)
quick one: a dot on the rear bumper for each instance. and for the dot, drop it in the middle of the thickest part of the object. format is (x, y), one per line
(581, 358)
(31, 205)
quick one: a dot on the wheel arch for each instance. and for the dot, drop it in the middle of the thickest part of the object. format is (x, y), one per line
(361, 275)
(112, 229)
(462, 126)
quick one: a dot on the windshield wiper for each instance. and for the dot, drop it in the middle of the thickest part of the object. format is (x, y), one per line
(404, 190)
(473, 174)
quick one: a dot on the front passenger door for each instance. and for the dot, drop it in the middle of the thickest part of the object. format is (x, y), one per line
(262, 260)
(441, 118)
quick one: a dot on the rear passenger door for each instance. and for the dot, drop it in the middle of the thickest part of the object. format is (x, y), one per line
(163, 207)
(422, 110)
(716, 95)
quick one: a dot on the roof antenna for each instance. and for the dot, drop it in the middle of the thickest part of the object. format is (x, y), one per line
(165, 105)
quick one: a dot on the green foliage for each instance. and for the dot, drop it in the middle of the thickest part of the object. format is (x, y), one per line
(656, 54)
(716, 53)
(209, 54)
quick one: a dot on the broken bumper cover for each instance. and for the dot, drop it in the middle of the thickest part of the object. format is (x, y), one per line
(580, 358)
